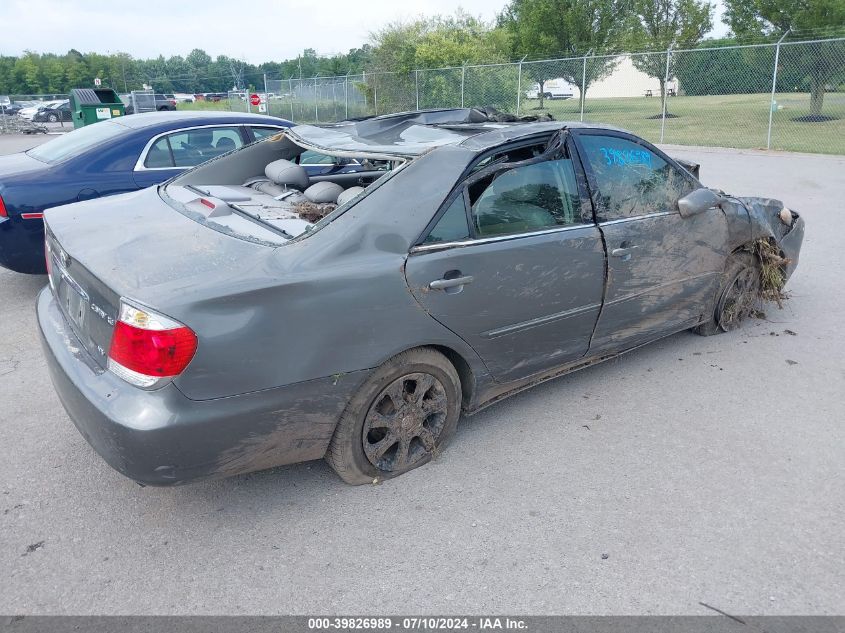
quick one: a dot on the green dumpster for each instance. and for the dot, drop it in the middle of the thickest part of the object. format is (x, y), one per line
(90, 105)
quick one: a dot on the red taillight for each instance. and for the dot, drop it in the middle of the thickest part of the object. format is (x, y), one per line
(3, 213)
(147, 347)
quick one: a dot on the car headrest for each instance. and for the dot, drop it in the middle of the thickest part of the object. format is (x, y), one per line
(323, 192)
(284, 172)
(349, 194)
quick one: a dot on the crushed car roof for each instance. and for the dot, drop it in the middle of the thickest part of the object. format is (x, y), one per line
(410, 134)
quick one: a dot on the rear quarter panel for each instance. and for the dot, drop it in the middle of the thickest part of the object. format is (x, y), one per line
(333, 303)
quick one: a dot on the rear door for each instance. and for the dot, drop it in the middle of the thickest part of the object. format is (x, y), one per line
(662, 269)
(514, 264)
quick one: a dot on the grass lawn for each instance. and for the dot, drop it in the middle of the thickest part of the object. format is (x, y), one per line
(725, 121)
(721, 121)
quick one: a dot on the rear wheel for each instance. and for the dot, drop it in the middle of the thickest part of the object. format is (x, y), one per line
(52, 118)
(400, 418)
(738, 295)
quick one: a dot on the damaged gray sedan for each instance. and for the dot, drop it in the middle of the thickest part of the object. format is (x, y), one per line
(246, 315)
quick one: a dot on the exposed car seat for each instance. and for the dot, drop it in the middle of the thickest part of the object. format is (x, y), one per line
(284, 172)
(281, 176)
(323, 192)
(349, 194)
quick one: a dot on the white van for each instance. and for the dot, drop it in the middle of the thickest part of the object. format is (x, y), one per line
(552, 89)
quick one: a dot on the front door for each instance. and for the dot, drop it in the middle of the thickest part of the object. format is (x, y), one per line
(515, 267)
(663, 270)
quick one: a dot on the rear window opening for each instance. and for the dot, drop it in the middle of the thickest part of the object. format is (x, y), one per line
(77, 142)
(275, 190)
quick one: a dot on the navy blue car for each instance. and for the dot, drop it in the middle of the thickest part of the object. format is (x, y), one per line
(110, 157)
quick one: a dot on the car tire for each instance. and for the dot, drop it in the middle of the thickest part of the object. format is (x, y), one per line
(403, 415)
(738, 292)
(52, 118)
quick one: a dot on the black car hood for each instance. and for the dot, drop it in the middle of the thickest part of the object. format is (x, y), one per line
(20, 163)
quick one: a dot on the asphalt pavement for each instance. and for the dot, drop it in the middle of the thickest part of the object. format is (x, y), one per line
(695, 470)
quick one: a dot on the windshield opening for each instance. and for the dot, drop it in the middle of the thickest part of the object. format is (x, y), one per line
(76, 142)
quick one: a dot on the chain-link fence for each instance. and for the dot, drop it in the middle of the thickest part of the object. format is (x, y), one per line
(784, 96)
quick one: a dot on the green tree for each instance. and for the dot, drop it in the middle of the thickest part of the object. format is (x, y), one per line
(27, 71)
(663, 24)
(818, 64)
(541, 29)
(54, 72)
(436, 43)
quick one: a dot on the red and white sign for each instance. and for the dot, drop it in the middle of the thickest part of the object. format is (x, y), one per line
(254, 99)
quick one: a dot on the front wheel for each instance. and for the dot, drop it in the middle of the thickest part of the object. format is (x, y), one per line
(739, 293)
(401, 417)
(52, 118)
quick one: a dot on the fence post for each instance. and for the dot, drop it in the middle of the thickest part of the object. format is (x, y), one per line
(463, 76)
(266, 98)
(290, 95)
(665, 92)
(583, 85)
(417, 86)
(346, 95)
(375, 93)
(316, 106)
(334, 97)
(519, 85)
(774, 86)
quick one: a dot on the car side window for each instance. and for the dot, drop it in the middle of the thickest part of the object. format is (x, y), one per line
(192, 147)
(264, 132)
(526, 198)
(631, 179)
(314, 158)
(452, 225)
(159, 156)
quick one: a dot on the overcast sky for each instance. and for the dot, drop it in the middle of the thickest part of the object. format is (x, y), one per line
(252, 30)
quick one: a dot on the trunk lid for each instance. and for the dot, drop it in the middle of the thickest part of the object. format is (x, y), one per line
(20, 163)
(134, 246)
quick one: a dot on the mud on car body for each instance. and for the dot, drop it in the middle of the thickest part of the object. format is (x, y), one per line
(247, 315)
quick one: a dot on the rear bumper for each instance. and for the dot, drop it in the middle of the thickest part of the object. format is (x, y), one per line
(163, 438)
(22, 245)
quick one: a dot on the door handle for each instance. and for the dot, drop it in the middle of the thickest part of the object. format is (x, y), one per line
(442, 284)
(623, 251)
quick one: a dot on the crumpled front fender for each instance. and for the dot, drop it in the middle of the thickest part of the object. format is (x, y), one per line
(766, 223)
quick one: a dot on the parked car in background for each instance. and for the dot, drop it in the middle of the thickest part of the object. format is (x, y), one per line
(10, 109)
(29, 112)
(247, 315)
(183, 97)
(552, 89)
(114, 156)
(54, 114)
(160, 102)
